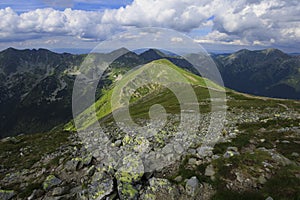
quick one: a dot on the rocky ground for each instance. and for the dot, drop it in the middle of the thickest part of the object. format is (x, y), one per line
(256, 156)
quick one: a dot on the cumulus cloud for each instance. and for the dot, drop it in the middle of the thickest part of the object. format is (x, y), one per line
(48, 21)
(240, 22)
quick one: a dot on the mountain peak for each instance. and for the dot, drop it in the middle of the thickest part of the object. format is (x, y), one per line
(120, 51)
(152, 54)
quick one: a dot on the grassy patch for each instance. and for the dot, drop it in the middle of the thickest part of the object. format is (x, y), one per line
(33, 148)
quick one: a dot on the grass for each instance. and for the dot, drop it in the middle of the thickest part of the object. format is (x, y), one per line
(145, 97)
(37, 145)
(34, 146)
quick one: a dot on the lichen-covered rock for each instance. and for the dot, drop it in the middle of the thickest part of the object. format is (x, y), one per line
(100, 186)
(6, 194)
(131, 172)
(50, 182)
(127, 191)
(160, 189)
(192, 186)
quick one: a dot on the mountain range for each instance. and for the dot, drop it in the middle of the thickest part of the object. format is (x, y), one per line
(36, 85)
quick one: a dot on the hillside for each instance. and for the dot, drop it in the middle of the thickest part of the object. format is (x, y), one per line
(154, 71)
(269, 73)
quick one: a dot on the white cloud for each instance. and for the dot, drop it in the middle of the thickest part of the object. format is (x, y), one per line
(176, 39)
(240, 22)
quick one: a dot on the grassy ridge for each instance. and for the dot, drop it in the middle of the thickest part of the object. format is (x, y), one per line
(161, 69)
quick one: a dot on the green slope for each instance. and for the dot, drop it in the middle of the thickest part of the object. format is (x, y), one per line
(119, 93)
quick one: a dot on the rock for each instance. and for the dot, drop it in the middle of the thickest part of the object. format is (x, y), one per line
(281, 159)
(178, 179)
(192, 186)
(192, 161)
(215, 157)
(35, 194)
(6, 194)
(101, 185)
(160, 189)
(71, 165)
(209, 171)
(204, 151)
(231, 151)
(86, 161)
(294, 154)
(262, 179)
(50, 182)
(127, 192)
(178, 148)
(239, 177)
(91, 170)
(60, 191)
(118, 143)
(269, 198)
(131, 171)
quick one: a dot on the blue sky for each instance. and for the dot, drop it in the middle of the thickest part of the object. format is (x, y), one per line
(27, 5)
(218, 25)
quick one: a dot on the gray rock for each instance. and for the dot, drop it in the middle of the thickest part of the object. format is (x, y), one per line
(101, 186)
(118, 143)
(127, 191)
(178, 148)
(178, 179)
(269, 198)
(86, 161)
(262, 179)
(192, 161)
(215, 157)
(71, 165)
(231, 151)
(160, 189)
(294, 154)
(285, 142)
(91, 170)
(50, 182)
(204, 151)
(6, 194)
(60, 191)
(210, 171)
(192, 186)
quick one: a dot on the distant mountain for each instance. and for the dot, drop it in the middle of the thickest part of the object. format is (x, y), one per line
(269, 72)
(35, 90)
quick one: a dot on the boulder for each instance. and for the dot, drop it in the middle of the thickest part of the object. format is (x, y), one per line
(192, 186)
(50, 182)
(60, 191)
(160, 189)
(101, 185)
(209, 171)
(130, 172)
(6, 194)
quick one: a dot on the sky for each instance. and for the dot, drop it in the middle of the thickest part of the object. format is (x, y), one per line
(217, 25)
